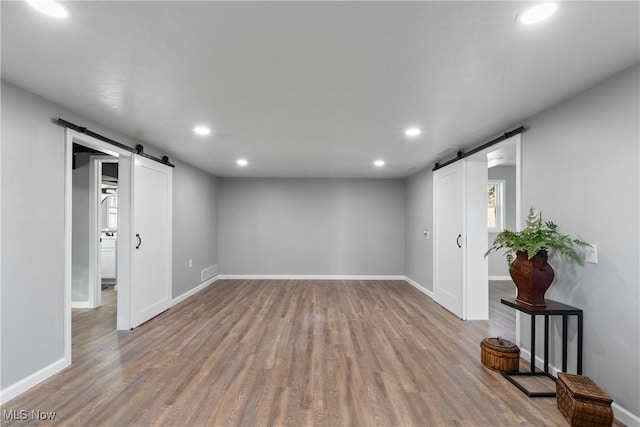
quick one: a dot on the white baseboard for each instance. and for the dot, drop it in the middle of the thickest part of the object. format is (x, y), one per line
(499, 277)
(305, 277)
(620, 413)
(419, 287)
(81, 304)
(625, 416)
(32, 380)
(201, 286)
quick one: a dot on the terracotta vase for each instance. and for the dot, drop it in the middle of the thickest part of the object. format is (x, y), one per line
(532, 277)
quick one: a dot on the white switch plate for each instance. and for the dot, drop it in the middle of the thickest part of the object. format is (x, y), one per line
(190, 263)
(591, 254)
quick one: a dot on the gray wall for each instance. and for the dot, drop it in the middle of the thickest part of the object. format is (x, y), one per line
(497, 262)
(580, 166)
(32, 235)
(419, 216)
(81, 231)
(195, 225)
(312, 226)
(33, 230)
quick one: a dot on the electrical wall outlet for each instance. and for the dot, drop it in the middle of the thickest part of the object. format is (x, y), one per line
(591, 254)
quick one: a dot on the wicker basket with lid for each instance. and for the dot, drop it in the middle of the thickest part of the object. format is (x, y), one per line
(500, 354)
(582, 402)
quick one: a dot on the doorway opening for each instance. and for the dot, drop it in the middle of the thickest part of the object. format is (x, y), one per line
(94, 232)
(503, 213)
(82, 246)
(106, 174)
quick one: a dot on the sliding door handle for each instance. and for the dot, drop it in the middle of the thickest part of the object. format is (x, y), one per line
(139, 241)
(458, 240)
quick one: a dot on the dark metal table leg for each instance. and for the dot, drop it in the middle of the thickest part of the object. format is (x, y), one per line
(579, 367)
(546, 343)
(564, 342)
(533, 343)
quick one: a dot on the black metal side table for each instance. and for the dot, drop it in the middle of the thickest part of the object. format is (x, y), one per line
(553, 308)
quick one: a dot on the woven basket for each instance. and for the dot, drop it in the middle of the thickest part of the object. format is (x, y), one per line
(582, 402)
(500, 355)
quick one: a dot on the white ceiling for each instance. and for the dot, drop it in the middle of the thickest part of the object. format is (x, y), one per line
(314, 89)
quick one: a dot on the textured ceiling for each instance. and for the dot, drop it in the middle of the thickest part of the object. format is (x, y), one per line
(313, 89)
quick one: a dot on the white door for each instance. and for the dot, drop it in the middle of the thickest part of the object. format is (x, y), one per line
(448, 236)
(151, 267)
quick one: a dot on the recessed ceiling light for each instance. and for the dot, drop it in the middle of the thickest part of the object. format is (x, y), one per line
(202, 130)
(49, 7)
(379, 163)
(242, 162)
(412, 132)
(537, 13)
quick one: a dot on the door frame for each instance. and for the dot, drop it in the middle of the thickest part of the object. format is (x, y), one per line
(516, 140)
(124, 227)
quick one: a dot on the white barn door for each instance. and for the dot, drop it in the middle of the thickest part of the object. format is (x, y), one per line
(151, 230)
(460, 274)
(448, 237)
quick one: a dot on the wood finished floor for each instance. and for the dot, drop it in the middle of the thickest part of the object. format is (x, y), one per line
(502, 318)
(272, 353)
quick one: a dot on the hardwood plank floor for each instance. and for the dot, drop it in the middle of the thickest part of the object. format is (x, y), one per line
(502, 317)
(272, 353)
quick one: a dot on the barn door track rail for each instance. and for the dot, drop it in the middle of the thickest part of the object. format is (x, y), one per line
(139, 149)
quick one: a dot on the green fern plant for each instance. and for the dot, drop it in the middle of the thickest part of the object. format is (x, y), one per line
(537, 236)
